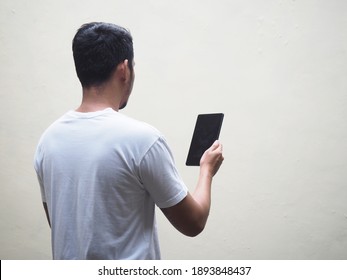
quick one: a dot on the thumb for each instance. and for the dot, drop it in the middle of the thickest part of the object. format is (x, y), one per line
(215, 145)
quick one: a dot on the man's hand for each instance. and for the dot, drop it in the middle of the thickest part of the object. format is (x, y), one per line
(212, 159)
(190, 215)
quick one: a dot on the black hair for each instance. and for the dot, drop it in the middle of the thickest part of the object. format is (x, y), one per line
(98, 48)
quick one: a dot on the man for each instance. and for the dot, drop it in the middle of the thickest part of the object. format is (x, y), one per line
(101, 173)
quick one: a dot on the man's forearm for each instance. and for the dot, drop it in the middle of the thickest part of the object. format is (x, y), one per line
(202, 195)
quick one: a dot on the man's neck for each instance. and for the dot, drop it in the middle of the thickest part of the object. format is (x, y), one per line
(97, 99)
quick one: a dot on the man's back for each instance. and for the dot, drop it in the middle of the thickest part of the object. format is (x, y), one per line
(97, 170)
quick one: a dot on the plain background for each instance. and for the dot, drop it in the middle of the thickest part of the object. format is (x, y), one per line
(277, 69)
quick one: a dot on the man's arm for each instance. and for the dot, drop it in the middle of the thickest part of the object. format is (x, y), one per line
(190, 215)
(46, 210)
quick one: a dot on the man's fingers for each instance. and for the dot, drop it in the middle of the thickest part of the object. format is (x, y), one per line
(215, 145)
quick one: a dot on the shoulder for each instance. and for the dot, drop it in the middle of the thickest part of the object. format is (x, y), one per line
(51, 129)
(140, 129)
(137, 137)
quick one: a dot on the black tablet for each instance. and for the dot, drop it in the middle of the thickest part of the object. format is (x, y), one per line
(206, 131)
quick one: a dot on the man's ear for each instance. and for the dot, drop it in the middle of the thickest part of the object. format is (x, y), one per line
(124, 71)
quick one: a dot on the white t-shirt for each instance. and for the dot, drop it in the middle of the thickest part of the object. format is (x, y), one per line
(101, 174)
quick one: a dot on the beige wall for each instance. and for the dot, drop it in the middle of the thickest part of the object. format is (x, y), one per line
(277, 69)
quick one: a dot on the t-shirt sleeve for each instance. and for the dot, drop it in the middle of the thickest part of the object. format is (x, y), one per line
(160, 177)
(37, 166)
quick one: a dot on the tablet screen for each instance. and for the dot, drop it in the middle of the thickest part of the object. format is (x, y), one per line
(206, 131)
